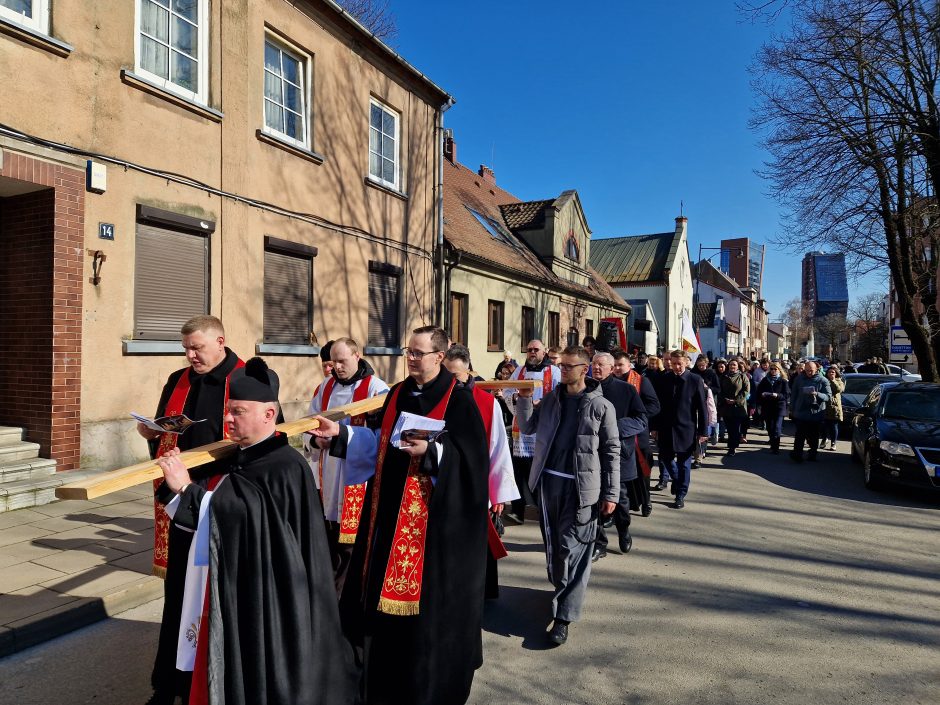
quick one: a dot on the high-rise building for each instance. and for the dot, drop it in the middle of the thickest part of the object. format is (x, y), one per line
(743, 261)
(825, 287)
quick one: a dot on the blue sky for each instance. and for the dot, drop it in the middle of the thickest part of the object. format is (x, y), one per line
(637, 105)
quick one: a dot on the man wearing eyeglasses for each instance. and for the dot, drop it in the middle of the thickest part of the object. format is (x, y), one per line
(576, 473)
(538, 367)
(413, 598)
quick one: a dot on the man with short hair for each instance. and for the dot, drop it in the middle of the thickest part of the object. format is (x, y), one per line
(640, 488)
(576, 473)
(681, 423)
(200, 391)
(537, 367)
(589, 343)
(413, 599)
(352, 379)
(554, 354)
(502, 483)
(631, 421)
(809, 395)
(259, 609)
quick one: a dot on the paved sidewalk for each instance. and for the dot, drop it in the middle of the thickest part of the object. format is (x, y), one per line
(68, 564)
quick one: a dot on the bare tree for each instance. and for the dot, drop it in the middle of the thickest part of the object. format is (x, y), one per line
(848, 106)
(375, 16)
(829, 329)
(795, 316)
(867, 316)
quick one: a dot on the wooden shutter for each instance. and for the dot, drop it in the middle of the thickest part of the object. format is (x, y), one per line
(171, 281)
(458, 317)
(383, 310)
(494, 328)
(554, 324)
(288, 298)
(528, 326)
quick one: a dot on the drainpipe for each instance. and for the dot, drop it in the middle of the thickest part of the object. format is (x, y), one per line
(439, 293)
(446, 323)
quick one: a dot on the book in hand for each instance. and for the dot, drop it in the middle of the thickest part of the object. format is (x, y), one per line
(167, 424)
(410, 427)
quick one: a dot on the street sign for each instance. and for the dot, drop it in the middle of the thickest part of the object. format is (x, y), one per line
(900, 342)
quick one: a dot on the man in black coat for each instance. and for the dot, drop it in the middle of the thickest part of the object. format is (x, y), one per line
(681, 423)
(631, 421)
(708, 374)
(260, 622)
(640, 488)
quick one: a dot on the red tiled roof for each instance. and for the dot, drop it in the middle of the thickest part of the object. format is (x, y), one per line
(465, 191)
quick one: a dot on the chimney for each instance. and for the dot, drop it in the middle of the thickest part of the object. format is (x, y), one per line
(681, 224)
(450, 147)
(487, 174)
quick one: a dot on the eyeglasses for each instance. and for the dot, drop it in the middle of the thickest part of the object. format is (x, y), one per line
(533, 349)
(417, 354)
(567, 368)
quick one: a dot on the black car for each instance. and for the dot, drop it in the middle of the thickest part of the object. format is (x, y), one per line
(857, 387)
(897, 435)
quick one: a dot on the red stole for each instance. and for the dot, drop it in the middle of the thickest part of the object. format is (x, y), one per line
(161, 520)
(485, 404)
(636, 379)
(401, 586)
(354, 496)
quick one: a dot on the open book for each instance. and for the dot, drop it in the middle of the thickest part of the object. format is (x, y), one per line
(167, 424)
(421, 426)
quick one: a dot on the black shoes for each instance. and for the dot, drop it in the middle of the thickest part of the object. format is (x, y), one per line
(696, 464)
(626, 542)
(647, 510)
(598, 554)
(559, 633)
(679, 503)
(660, 486)
(608, 521)
(730, 452)
(510, 518)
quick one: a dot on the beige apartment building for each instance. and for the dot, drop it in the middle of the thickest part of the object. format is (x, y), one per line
(269, 162)
(517, 270)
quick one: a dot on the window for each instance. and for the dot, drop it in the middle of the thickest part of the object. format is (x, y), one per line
(384, 282)
(459, 307)
(288, 292)
(286, 98)
(589, 327)
(493, 228)
(528, 326)
(571, 247)
(494, 327)
(173, 45)
(383, 144)
(30, 13)
(554, 326)
(171, 272)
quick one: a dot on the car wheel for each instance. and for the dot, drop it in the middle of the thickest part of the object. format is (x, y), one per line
(872, 482)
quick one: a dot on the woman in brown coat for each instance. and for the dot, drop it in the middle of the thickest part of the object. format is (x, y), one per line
(834, 409)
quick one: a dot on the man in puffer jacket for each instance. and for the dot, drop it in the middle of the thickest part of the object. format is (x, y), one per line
(575, 473)
(808, 399)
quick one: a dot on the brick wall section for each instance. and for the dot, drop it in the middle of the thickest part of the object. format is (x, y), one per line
(41, 261)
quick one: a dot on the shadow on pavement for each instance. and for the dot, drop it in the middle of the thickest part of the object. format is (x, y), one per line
(523, 612)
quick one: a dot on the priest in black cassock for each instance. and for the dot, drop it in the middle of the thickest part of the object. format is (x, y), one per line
(413, 600)
(262, 624)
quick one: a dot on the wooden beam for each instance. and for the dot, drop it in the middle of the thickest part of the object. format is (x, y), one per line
(121, 479)
(509, 384)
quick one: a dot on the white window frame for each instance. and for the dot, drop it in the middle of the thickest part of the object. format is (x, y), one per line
(306, 63)
(201, 95)
(396, 184)
(38, 22)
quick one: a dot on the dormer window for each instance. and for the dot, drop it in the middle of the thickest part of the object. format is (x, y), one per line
(571, 247)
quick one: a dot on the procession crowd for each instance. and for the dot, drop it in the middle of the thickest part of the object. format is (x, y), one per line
(356, 570)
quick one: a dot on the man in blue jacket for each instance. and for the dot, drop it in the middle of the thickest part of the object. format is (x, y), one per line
(575, 473)
(808, 400)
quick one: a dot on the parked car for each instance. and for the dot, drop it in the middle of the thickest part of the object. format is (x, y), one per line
(895, 370)
(857, 387)
(896, 435)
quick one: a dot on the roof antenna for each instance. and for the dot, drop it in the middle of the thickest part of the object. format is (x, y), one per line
(681, 205)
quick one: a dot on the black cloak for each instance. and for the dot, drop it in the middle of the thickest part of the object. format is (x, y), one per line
(430, 658)
(274, 629)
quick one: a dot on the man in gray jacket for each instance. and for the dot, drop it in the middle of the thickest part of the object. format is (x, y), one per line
(575, 474)
(808, 400)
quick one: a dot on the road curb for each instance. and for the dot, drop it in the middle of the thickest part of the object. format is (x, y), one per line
(33, 630)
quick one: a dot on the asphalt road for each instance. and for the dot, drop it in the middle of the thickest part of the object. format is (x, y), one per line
(778, 583)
